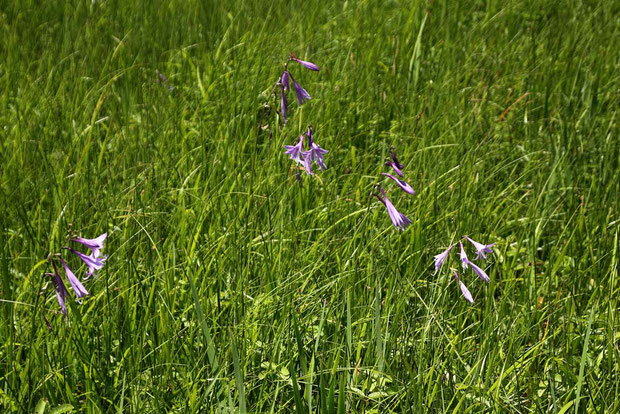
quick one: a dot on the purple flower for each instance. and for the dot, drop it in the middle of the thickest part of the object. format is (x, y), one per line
(464, 258)
(464, 289)
(396, 163)
(305, 64)
(481, 249)
(399, 220)
(60, 289)
(316, 154)
(302, 95)
(396, 169)
(285, 80)
(95, 245)
(93, 263)
(78, 288)
(440, 258)
(307, 162)
(479, 271)
(403, 185)
(283, 104)
(296, 151)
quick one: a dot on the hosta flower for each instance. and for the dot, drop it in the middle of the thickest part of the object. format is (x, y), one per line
(440, 258)
(95, 245)
(316, 152)
(479, 271)
(302, 95)
(464, 258)
(305, 64)
(285, 80)
(93, 263)
(481, 249)
(60, 289)
(466, 293)
(283, 104)
(78, 288)
(307, 163)
(296, 151)
(399, 220)
(403, 185)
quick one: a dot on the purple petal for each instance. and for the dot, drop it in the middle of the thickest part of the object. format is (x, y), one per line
(61, 290)
(285, 81)
(481, 249)
(295, 151)
(479, 271)
(393, 154)
(95, 244)
(78, 288)
(316, 155)
(396, 169)
(463, 256)
(307, 163)
(302, 95)
(399, 220)
(466, 293)
(93, 263)
(283, 104)
(403, 185)
(306, 64)
(440, 258)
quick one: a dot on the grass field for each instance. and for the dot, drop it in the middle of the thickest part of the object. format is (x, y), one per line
(230, 288)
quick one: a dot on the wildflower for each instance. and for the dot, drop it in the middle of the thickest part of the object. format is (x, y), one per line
(296, 151)
(307, 162)
(93, 263)
(95, 245)
(399, 220)
(464, 258)
(316, 152)
(78, 288)
(283, 104)
(396, 163)
(285, 80)
(481, 249)
(403, 185)
(440, 258)
(394, 167)
(60, 289)
(302, 95)
(308, 65)
(466, 293)
(479, 271)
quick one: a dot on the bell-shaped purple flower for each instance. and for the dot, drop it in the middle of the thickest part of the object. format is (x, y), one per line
(464, 258)
(440, 258)
(479, 271)
(302, 95)
(308, 65)
(399, 220)
(466, 293)
(316, 155)
(60, 289)
(93, 263)
(296, 151)
(283, 103)
(78, 288)
(307, 163)
(95, 245)
(396, 163)
(481, 249)
(394, 167)
(403, 185)
(284, 80)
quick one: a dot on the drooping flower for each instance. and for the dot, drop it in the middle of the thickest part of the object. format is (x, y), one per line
(296, 151)
(481, 249)
(78, 288)
(285, 80)
(440, 258)
(60, 289)
(394, 167)
(464, 258)
(466, 293)
(302, 95)
(308, 65)
(93, 263)
(403, 185)
(479, 271)
(396, 163)
(283, 104)
(399, 220)
(316, 152)
(95, 245)
(307, 162)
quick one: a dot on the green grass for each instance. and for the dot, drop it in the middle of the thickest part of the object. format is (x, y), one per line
(228, 286)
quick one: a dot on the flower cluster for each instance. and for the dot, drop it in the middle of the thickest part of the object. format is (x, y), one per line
(285, 85)
(304, 158)
(481, 251)
(94, 261)
(399, 220)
